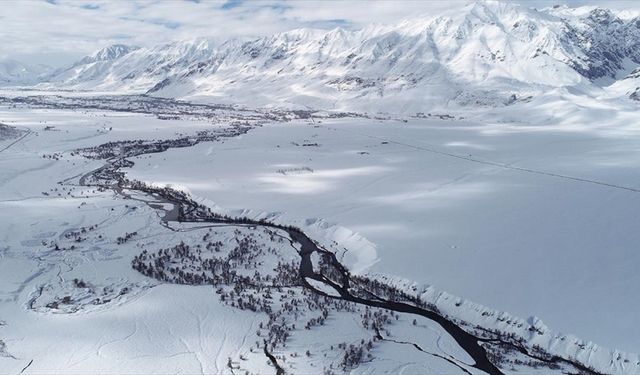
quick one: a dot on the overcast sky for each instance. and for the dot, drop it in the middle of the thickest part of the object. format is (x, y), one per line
(59, 31)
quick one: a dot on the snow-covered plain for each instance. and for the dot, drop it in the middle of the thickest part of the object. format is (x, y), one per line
(532, 220)
(523, 242)
(70, 301)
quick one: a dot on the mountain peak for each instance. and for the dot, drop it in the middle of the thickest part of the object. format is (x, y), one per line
(603, 16)
(109, 53)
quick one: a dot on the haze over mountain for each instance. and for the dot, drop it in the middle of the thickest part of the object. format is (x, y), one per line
(14, 71)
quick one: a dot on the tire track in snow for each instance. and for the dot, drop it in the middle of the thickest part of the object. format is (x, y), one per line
(28, 132)
(419, 348)
(494, 163)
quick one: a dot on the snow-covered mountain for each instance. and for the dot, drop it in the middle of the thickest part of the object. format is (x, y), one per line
(489, 54)
(16, 72)
(93, 67)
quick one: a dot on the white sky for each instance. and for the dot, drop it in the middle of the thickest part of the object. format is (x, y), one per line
(59, 31)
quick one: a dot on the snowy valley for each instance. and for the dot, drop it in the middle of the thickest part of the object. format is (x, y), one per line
(456, 193)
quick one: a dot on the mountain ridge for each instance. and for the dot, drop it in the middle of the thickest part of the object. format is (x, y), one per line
(490, 54)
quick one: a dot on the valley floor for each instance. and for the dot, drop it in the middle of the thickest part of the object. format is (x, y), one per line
(440, 203)
(530, 220)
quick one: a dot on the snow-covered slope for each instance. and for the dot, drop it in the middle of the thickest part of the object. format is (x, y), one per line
(490, 54)
(628, 86)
